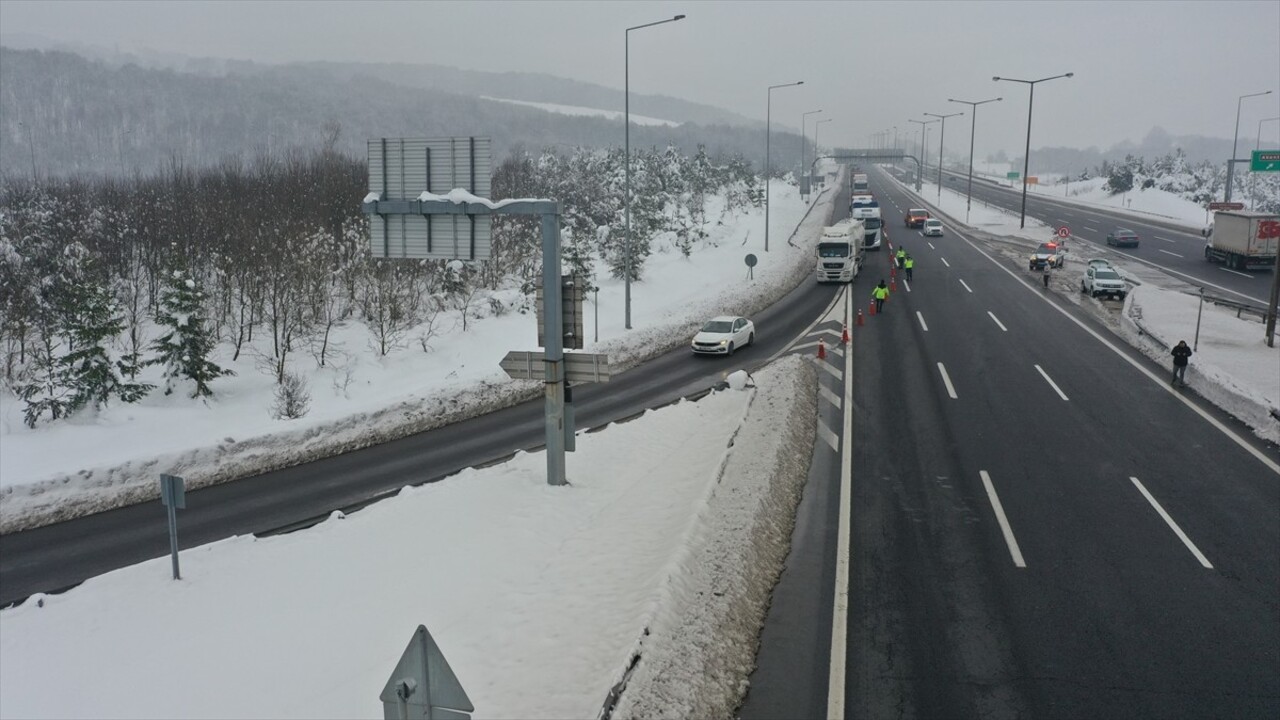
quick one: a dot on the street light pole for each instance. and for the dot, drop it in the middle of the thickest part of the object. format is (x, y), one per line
(942, 138)
(626, 201)
(804, 136)
(1231, 164)
(1257, 145)
(1026, 155)
(768, 128)
(920, 148)
(815, 134)
(973, 122)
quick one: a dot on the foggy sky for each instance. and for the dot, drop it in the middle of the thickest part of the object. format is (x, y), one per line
(868, 65)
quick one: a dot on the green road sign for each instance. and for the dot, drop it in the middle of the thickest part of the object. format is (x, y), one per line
(1265, 161)
(1012, 175)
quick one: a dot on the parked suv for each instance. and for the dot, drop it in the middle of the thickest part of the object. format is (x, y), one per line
(1102, 280)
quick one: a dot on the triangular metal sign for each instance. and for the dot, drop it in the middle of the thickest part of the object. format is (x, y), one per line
(423, 686)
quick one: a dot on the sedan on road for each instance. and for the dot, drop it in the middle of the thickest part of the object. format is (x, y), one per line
(1122, 237)
(723, 335)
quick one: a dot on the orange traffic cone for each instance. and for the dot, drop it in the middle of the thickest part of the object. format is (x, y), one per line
(860, 320)
(872, 310)
(822, 350)
(893, 271)
(844, 335)
(893, 285)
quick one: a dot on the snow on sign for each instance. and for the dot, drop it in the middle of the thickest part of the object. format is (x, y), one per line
(402, 171)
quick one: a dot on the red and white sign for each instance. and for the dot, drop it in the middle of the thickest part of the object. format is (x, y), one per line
(1064, 232)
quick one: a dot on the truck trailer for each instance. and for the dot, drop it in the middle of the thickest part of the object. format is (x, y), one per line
(1243, 240)
(840, 251)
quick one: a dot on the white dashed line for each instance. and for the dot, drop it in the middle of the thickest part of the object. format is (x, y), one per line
(966, 286)
(1166, 252)
(1094, 229)
(1052, 384)
(906, 284)
(828, 395)
(1176, 530)
(997, 321)
(1162, 238)
(920, 317)
(826, 434)
(946, 379)
(944, 261)
(931, 247)
(1009, 539)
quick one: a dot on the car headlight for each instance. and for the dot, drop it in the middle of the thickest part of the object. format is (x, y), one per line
(724, 342)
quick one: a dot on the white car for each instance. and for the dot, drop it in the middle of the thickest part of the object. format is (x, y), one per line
(723, 335)
(932, 227)
(1102, 280)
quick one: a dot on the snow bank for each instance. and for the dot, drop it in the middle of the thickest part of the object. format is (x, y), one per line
(696, 658)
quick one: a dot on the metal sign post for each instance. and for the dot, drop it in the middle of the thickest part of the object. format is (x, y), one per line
(174, 496)
(423, 686)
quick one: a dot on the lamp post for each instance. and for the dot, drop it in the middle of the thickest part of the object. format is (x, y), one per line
(921, 149)
(942, 138)
(804, 117)
(1257, 145)
(815, 134)
(1231, 164)
(768, 127)
(626, 201)
(1026, 156)
(973, 122)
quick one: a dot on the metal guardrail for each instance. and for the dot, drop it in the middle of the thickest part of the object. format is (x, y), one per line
(1240, 307)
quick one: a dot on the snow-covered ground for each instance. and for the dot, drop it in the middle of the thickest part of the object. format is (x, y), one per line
(539, 597)
(61, 469)
(587, 111)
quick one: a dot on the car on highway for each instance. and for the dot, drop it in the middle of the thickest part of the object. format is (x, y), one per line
(1102, 280)
(932, 228)
(723, 335)
(1047, 252)
(915, 217)
(1122, 237)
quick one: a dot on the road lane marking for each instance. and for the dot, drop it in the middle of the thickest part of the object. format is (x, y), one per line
(1052, 384)
(944, 261)
(1094, 229)
(966, 286)
(1176, 530)
(835, 372)
(1160, 382)
(1233, 272)
(931, 247)
(1163, 238)
(1009, 539)
(946, 379)
(840, 604)
(921, 318)
(1166, 252)
(993, 317)
(829, 436)
(829, 396)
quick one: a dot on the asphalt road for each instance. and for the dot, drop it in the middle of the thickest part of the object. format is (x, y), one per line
(1041, 527)
(1163, 243)
(61, 555)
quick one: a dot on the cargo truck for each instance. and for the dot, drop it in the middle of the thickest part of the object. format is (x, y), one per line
(1243, 240)
(860, 185)
(840, 251)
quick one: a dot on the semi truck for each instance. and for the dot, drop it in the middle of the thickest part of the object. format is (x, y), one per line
(860, 185)
(1243, 240)
(840, 251)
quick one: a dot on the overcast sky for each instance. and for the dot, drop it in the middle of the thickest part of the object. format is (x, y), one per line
(868, 65)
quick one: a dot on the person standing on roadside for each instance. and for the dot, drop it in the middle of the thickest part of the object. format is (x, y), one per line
(880, 292)
(1181, 354)
(1048, 272)
(902, 255)
(907, 264)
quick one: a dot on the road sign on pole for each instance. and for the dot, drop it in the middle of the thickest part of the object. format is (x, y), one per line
(423, 686)
(578, 367)
(1265, 161)
(1064, 232)
(174, 496)
(1226, 206)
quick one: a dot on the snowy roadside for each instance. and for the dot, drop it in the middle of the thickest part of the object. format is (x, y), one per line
(666, 544)
(700, 650)
(664, 321)
(1233, 368)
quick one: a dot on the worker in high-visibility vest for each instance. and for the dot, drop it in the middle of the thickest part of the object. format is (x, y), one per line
(880, 293)
(907, 264)
(902, 255)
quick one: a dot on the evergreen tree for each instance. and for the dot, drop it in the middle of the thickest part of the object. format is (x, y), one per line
(92, 321)
(184, 349)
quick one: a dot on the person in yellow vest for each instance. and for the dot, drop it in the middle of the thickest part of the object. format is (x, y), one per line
(880, 292)
(902, 255)
(907, 264)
